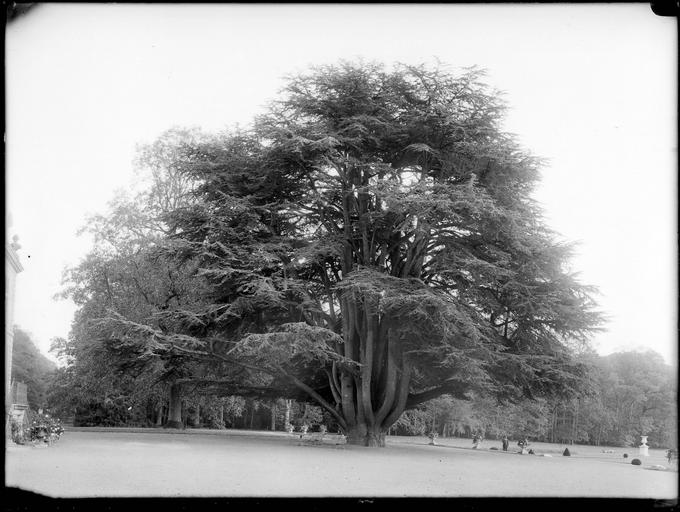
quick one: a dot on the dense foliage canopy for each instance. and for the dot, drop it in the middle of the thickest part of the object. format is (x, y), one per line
(371, 242)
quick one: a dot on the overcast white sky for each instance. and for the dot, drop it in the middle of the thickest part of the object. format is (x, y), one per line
(591, 87)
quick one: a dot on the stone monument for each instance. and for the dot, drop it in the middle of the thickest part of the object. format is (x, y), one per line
(12, 268)
(644, 449)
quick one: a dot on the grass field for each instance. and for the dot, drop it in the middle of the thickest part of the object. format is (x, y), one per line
(89, 462)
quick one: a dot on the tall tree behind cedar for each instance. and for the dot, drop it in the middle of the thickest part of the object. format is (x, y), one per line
(130, 276)
(133, 275)
(31, 367)
(377, 228)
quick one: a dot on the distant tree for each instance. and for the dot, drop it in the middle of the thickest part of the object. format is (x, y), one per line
(128, 276)
(94, 391)
(640, 392)
(372, 242)
(31, 367)
(627, 395)
(414, 422)
(451, 416)
(137, 279)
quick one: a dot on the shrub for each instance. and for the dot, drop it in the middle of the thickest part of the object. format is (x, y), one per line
(636, 462)
(18, 432)
(216, 423)
(44, 428)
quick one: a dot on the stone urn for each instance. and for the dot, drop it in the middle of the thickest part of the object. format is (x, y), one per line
(644, 449)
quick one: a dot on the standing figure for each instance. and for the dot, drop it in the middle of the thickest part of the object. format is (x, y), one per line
(477, 440)
(506, 443)
(523, 445)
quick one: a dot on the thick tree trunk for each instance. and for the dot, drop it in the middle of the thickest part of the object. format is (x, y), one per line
(159, 414)
(175, 405)
(553, 424)
(273, 416)
(197, 416)
(357, 434)
(289, 405)
(362, 435)
(371, 400)
(574, 434)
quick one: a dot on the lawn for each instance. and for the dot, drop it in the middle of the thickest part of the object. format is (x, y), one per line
(86, 463)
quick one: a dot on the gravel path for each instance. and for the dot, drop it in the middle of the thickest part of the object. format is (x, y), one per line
(104, 463)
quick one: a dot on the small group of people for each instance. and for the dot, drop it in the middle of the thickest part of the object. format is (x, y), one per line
(522, 443)
(478, 437)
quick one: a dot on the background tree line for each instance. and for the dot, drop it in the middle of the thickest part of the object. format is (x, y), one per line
(630, 394)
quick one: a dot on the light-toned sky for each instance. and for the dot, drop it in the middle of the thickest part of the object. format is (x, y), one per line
(591, 87)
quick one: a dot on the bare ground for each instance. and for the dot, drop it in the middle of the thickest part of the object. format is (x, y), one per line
(155, 463)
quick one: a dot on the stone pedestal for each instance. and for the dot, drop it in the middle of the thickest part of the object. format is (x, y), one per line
(644, 449)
